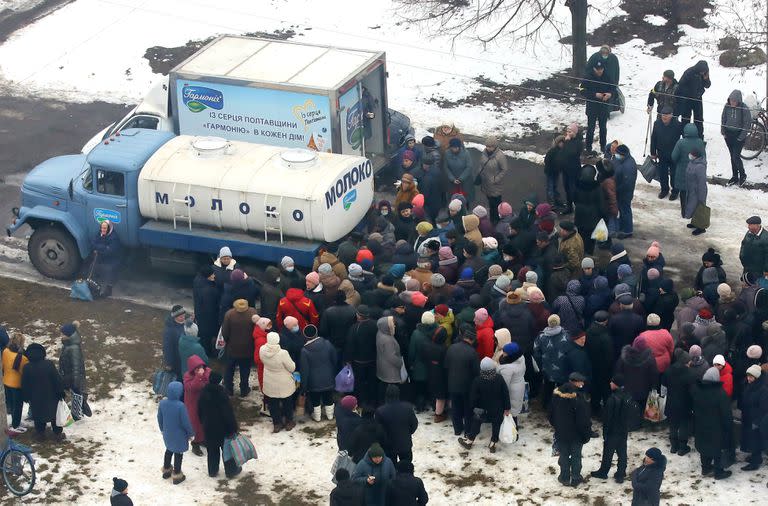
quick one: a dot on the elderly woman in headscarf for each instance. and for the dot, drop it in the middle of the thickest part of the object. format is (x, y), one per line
(106, 256)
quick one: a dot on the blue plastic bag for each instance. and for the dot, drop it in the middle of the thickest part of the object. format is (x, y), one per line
(81, 290)
(345, 380)
(161, 380)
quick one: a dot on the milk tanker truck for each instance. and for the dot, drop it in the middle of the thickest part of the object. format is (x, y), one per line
(181, 198)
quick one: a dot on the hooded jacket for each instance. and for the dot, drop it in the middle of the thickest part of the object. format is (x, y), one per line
(639, 370)
(569, 415)
(472, 233)
(661, 344)
(514, 377)
(462, 367)
(693, 84)
(493, 168)
(664, 137)
(297, 305)
(646, 483)
(41, 385)
(193, 387)
(519, 321)
(318, 366)
(72, 363)
(712, 417)
(695, 186)
(682, 149)
(188, 347)
(173, 420)
(485, 345)
(216, 414)
(278, 371)
(389, 359)
(735, 121)
(326, 257)
(206, 303)
(375, 495)
(570, 307)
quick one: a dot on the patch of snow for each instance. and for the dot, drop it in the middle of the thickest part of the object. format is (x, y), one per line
(655, 20)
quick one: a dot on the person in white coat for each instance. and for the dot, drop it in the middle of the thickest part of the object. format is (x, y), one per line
(503, 338)
(512, 369)
(279, 384)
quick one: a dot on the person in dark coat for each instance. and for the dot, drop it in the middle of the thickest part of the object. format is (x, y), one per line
(663, 93)
(374, 472)
(433, 355)
(361, 353)
(712, 422)
(690, 90)
(206, 297)
(318, 373)
(753, 253)
(569, 158)
(638, 366)
(618, 415)
(666, 303)
(172, 332)
(589, 204)
(462, 368)
(513, 315)
(679, 380)
(119, 494)
(625, 168)
(335, 322)
(598, 91)
(576, 359)
(405, 489)
(619, 257)
(625, 325)
(490, 403)
(368, 431)
(219, 423)
(107, 252)
(646, 479)
(569, 416)
(600, 351)
(271, 293)
(240, 286)
(289, 275)
(666, 132)
(754, 410)
(347, 420)
(347, 492)
(398, 418)
(735, 124)
(72, 364)
(42, 387)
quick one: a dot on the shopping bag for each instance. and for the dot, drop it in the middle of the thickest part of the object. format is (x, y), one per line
(220, 342)
(508, 431)
(652, 411)
(342, 461)
(345, 380)
(526, 399)
(600, 233)
(701, 216)
(81, 290)
(240, 449)
(458, 190)
(160, 381)
(648, 169)
(403, 373)
(77, 406)
(63, 415)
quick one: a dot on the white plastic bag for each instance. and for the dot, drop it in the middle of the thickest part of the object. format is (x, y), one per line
(403, 373)
(220, 342)
(63, 415)
(600, 233)
(508, 432)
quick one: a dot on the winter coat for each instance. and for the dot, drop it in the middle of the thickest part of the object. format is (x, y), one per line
(679, 380)
(735, 121)
(665, 307)
(695, 186)
(619, 414)
(693, 84)
(406, 490)
(119, 499)
(713, 343)
(600, 351)
(433, 353)
(173, 420)
(493, 168)
(640, 373)
(190, 346)
(430, 180)
(216, 414)
(72, 364)
(327, 257)
(335, 323)
(193, 387)
(485, 345)
(514, 377)
(471, 224)
(259, 340)
(610, 204)
(541, 314)
(346, 422)
(459, 166)
(572, 248)
(375, 495)
(664, 138)
(389, 359)
(491, 395)
(593, 84)
(624, 327)
(690, 309)
(297, 305)
(108, 247)
(754, 410)
(222, 274)
(318, 366)
(462, 367)
(270, 293)
(278, 372)
(557, 282)
(348, 493)
(613, 266)
(661, 344)
(519, 321)
(726, 378)
(419, 338)
(753, 253)
(443, 140)
(626, 177)
(664, 95)
(367, 432)
(245, 289)
(361, 342)
(646, 483)
(172, 332)
(611, 64)
(398, 419)
(569, 415)
(682, 149)
(712, 417)
(41, 385)
(547, 351)
(206, 303)
(237, 330)
(576, 359)
(570, 308)
(12, 377)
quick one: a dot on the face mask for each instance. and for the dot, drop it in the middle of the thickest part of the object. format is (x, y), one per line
(618, 156)
(295, 330)
(289, 269)
(604, 56)
(384, 212)
(691, 157)
(277, 280)
(508, 258)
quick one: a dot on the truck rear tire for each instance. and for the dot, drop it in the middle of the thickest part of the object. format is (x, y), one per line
(54, 252)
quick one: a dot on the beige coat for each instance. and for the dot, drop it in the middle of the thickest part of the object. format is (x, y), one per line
(278, 371)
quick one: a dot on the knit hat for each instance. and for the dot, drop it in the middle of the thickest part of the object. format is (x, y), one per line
(176, 311)
(667, 285)
(601, 316)
(511, 348)
(626, 300)
(535, 295)
(495, 271)
(653, 320)
(428, 318)
(455, 142)
(718, 360)
(424, 227)
(119, 484)
(480, 212)
(364, 254)
(290, 322)
(617, 248)
(712, 375)
(567, 226)
(723, 290)
(621, 289)
(313, 279)
(467, 273)
(273, 338)
(577, 376)
(654, 453)
(442, 309)
(364, 310)
(375, 450)
(263, 323)
(310, 331)
(455, 205)
(754, 371)
(487, 364)
(225, 252)
(670, 74)
(754, 352)
(504, 209)
(437, 280)
(397, 271)
(705, 314)
(445, 253)
(237, 275)
(349, 402)
(695, 351)
(409, 155)
(653, 273)
(531, 277)
(514, 297)
(355, 270)
(418, 299)
(413, 285)
(190, 328)
(481, 315)
(640, 343)
(502, 282)
(553, 321)
(623, 271)
(490, 243)
(618, 380)
(286, 262)
(588, 263)
(654, 250)
(69, 328)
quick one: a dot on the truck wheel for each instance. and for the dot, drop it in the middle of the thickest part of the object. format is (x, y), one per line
(54, 253)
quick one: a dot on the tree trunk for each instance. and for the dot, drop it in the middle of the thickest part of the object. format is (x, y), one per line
(3, 416)
(579, 35)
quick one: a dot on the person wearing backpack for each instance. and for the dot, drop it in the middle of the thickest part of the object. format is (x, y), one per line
(619, 411)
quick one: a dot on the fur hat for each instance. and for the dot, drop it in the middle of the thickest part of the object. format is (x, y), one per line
(514, 297)
(176, 311)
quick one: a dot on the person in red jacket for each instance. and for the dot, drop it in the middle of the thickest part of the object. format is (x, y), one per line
(262, 326)
(484, 329)
(297, 305)
(660, 342)
(726, 373)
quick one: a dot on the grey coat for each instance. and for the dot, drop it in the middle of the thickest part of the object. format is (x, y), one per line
(389, 360)
(459, 166)
(695, 185)
(736, 120)
(492, 169)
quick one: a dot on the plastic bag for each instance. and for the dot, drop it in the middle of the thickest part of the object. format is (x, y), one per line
(342, 461)
(508, 431)
(526, 399)
(160, 381)
(63, 415)
(600, 233)
(240, 449)
(403, 373)
(654, 411)
(81, 291)
(345, 380)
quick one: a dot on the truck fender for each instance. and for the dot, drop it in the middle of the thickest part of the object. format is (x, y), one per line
(48, 215)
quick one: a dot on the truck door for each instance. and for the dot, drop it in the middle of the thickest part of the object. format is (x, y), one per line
(108, 202)
(351, 121)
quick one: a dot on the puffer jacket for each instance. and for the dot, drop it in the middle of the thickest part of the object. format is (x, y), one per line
(472, 233)
(278, 371)
(389, 360)
(72, 363)
(683, 148)
(547, 351)
(695, 186)
(514, 376)
(493, 167)
(173, 420)
(329, 258)
(193, 387)
(318, 366)
(661, 344)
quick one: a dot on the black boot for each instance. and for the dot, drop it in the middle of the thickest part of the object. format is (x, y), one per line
(684, 450)
(721, 474)
(742, 179)
(196, 449)
(674, 194)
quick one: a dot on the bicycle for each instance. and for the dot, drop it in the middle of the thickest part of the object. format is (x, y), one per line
(18, 467)
(757, 137)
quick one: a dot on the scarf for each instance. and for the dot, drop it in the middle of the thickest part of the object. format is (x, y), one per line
(488, 375)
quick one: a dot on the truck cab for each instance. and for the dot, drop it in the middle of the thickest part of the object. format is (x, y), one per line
(64, 200)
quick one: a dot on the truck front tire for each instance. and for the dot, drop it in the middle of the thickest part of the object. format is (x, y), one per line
(54, 252)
